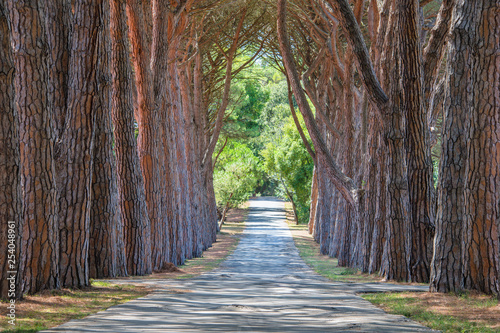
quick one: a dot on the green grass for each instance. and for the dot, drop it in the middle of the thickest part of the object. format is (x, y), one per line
(324, 265)
(401, 304)
(52, 308)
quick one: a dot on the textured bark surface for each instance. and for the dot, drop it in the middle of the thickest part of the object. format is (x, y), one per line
(145, 57)
(395, 261)
(57, 20)
(379, 235)
(160, 246)
(75, 150)
(10, 190)
(417, 140)
(136, 227)
(38, 227)
(106, 248)
(480, 246)
(446, 274)
(435, 48)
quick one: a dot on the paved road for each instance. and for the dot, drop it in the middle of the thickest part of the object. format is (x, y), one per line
(264, 286)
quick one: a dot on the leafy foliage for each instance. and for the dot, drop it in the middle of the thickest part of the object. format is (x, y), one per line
(236, 174)
(288, 161)
(265, 153)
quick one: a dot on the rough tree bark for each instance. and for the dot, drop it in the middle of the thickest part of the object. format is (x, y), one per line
(106, 247)
(130, 183)
(417, 141)
(10, 190)
(446, 273)
(145, 58)
(395, 261)
(57, 20)
(480, 246)
(38, 227)
(75, 150)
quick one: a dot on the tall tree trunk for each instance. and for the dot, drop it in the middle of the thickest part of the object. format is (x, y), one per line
(395, 262)
(480, 246)
(379, 235)
(190, 138)
(148, 60)
(323, 234)
(417, 140)
(370, 188)
(446, 273)
(347, 154)
(211, 220)
(57, 20)
(75, 150)
(177, 131)
(106, 247)
(38, 227)
(10, 190)
(314, 199)
(137, 232)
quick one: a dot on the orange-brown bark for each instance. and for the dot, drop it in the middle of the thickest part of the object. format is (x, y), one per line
(480, 247)
(10, 190)
(38, 264)
(75, 155)
(136, 227)
(106, 248)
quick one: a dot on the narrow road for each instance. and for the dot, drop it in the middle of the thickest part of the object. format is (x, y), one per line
(264, 286)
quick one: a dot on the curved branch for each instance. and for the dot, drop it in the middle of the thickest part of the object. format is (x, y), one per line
(355, 37)
(343, 183)
(312, 96)
(299, 128)
(225, 97)
(434, 51)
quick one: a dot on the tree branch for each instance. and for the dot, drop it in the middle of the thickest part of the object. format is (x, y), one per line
(225, 97)
(343, 183)
(220, 151)
(312, 96)
(297, 124)
(355, 37)
(434, 51)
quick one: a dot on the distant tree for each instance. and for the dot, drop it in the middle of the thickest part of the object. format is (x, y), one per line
(287, 160)
(236, 173)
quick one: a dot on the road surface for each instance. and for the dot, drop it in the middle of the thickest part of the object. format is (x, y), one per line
(264, 286)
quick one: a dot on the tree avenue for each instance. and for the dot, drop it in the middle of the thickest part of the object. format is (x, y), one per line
(126, 123)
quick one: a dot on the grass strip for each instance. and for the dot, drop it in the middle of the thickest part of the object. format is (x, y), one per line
(467, 312)
(52, 308)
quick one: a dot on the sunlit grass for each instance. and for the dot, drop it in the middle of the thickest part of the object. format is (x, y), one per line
(444, 312)
(416, 309)
(324, 265)
(52, 308)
